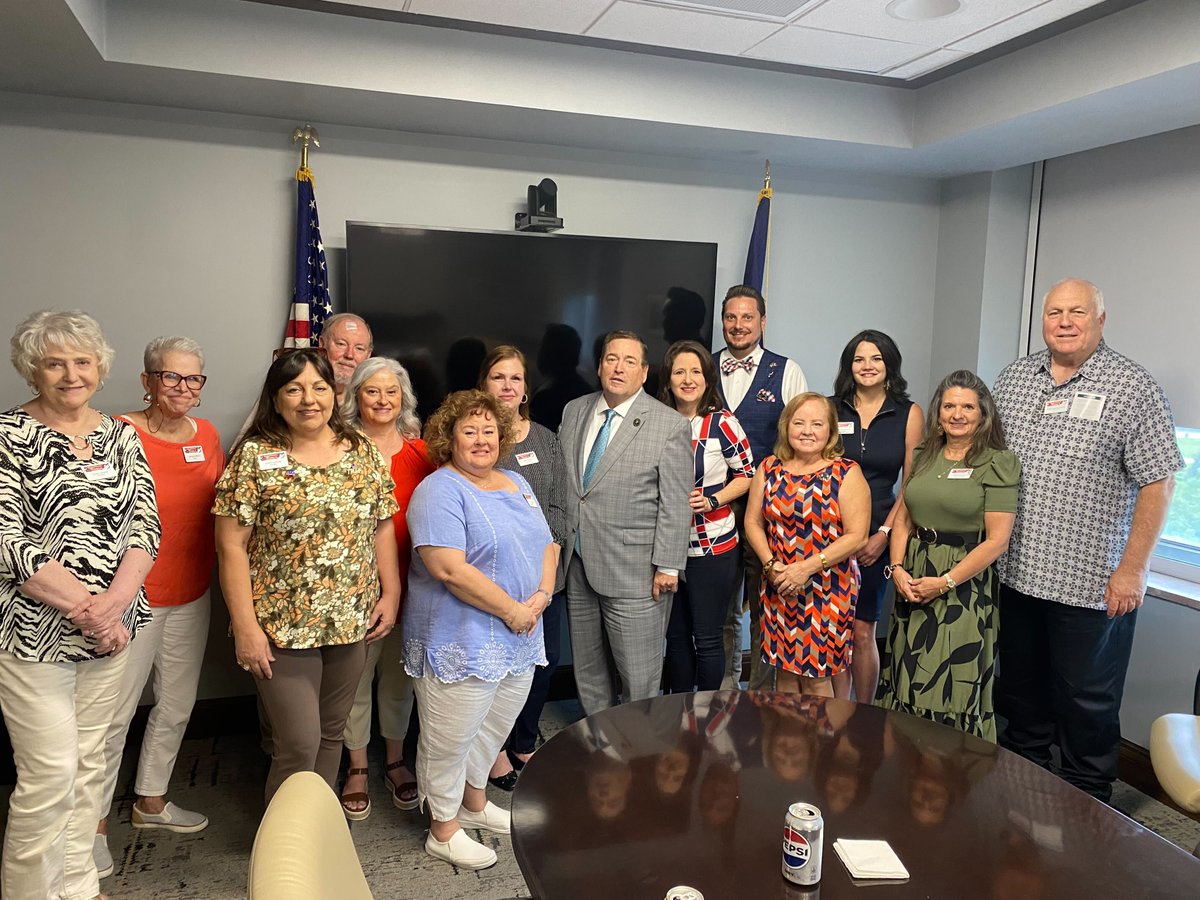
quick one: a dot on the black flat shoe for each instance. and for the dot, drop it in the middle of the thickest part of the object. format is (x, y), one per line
(505, 782)
(517, 763)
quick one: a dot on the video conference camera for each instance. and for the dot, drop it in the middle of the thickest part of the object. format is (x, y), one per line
(542, 208)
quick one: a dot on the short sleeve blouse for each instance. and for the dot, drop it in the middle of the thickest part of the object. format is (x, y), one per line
(313, 573)
(504, 535)
(953, 495)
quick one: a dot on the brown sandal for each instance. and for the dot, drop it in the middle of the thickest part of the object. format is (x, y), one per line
(356, 815)
(405, 795)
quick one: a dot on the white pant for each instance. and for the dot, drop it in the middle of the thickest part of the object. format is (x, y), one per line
(57, 715)
(172, 644)
(463, 727)
(395, 694)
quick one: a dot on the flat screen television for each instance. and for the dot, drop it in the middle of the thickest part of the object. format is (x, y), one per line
(438, 299)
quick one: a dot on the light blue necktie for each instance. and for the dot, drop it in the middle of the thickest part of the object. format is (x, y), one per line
(597, 451)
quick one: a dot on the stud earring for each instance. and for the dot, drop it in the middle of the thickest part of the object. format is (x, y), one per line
(146, 398)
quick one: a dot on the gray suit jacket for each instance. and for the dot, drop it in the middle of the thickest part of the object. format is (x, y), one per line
(635, 516)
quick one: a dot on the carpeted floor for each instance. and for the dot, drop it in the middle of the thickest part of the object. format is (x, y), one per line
(223, 777)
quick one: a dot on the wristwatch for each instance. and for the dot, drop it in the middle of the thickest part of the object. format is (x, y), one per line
(885, 530)
(951, 584)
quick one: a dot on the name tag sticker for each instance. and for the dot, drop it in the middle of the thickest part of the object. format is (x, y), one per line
(193, 454)
(845, 428)
(959, 474)
(526, 459)
(277, 459)
(531, 500)
(101, 471)
(1087, 406)
(1055, 407)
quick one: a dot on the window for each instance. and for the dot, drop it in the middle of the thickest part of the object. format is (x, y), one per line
(1178, 551)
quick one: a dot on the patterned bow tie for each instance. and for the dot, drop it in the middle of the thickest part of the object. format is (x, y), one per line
(729, 365)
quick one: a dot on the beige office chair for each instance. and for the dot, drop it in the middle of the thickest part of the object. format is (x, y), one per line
(303, 849)
(1175, 755)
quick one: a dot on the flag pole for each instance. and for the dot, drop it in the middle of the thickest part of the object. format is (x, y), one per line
(307, 134)
(766, 193)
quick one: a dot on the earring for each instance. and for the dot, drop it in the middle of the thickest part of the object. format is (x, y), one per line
(146, 398)
(33, 389)
(101, 385)
(197, 403)
(524, 398)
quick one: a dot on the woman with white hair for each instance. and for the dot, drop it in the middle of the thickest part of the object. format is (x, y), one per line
(186, 459)
(380, 402)
(77, 538)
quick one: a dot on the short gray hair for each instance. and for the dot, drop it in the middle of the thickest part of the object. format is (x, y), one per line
(407, 422)
(339, 318)
(152, 359)
(70, 329)
(1097, 294)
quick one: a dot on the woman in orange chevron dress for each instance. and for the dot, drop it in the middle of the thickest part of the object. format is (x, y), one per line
(808, 514)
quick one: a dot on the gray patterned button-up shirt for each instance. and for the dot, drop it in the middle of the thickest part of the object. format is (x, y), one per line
(1080, 475)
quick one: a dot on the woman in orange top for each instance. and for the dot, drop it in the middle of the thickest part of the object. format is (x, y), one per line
(186, 460)
(380, 402)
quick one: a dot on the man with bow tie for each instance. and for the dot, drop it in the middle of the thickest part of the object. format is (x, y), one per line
(756, 385)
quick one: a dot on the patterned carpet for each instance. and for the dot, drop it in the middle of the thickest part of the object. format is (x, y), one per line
(222, 777)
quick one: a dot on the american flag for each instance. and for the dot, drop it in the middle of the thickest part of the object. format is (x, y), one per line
(310, 296)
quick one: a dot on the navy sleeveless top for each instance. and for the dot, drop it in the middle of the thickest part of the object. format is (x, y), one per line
(879, 450)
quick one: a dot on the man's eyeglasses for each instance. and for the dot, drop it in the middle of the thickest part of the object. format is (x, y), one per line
(172, 379)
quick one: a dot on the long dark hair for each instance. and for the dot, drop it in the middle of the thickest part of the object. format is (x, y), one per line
(268, 425)
(989, 434)
(710, 400)
(896, 386)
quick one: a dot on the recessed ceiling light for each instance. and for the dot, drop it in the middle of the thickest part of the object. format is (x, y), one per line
(922, 10)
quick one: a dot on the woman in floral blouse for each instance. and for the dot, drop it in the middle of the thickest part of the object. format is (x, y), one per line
(307, 559)
(481, 577)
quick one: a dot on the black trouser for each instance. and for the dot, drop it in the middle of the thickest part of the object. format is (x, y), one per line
(523, 738)
(1061, 677)
(695, 649)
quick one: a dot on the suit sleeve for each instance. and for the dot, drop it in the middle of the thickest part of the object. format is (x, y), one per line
(675, 481)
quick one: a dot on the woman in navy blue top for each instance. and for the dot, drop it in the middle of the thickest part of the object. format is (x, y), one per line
(880, 427)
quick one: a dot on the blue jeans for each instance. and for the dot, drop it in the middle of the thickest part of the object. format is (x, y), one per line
(695, 649)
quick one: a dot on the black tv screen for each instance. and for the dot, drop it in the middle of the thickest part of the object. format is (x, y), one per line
(438, 299)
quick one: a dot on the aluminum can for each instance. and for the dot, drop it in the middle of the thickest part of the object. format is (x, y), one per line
(803, 839)
(683, 892)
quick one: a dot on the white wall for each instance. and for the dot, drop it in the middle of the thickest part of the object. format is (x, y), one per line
(169, 221)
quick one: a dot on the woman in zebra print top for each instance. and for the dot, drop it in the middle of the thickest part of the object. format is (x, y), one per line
(78, 536)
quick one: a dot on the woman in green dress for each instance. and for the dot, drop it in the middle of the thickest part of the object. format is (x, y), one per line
(952, 523)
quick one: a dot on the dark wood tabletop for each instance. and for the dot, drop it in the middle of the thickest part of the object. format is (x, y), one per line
(692, 789)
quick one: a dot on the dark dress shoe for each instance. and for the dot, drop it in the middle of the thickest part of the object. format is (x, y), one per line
(505, 782)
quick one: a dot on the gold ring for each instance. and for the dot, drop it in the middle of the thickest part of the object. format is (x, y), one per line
(246, 667)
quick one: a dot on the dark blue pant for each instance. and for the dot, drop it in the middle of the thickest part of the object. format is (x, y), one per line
(1061, 677)
(523, 738)
(695, 648)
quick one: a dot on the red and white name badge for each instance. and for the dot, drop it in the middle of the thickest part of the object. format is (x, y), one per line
(845, 427)
(276, 459)
(193, 454)
(526, 459)
(99, 471)
(959, 474)
(531, 500)
(1056, 407)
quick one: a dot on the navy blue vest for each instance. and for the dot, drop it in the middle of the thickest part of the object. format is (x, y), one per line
(760, 409)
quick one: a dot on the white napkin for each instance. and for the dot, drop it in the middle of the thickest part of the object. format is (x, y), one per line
(870, 859)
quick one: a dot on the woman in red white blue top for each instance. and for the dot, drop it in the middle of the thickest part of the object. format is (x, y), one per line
(724, 465)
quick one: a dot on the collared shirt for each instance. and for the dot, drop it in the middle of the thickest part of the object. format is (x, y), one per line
(735, 384)
(1081, 469)
(596, 421)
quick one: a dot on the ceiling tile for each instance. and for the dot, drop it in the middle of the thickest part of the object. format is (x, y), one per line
(683, 29)
(925, 64)
(771, 9)
(544, 15)
(873, 20)
(1021, 24)
(831, 50)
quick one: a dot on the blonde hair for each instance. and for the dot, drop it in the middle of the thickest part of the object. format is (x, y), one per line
(833, 444)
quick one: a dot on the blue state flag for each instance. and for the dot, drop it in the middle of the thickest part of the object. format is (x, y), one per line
(760, 240)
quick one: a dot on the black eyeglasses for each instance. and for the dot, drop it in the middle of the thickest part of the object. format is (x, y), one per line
(172, 379)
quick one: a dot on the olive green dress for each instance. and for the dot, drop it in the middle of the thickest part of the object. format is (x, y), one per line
(940, 657)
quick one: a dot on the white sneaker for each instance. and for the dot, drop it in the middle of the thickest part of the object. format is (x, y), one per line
(101, 856)
(461, 851)
(491, 818)
(172, 818)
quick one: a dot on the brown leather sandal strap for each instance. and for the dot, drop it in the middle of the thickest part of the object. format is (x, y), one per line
(391, 767)
(362, 771)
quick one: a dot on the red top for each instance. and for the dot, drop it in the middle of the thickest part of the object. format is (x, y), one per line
(410, 465)
(185, 478)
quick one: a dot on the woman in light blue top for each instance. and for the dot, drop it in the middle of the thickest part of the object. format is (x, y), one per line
(481, 577)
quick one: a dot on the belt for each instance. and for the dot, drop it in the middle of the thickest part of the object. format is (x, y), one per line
(948, 538)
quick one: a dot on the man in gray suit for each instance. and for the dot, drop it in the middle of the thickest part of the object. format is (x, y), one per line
(629, 472)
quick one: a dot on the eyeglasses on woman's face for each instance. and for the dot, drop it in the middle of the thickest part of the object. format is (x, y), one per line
(172, 379)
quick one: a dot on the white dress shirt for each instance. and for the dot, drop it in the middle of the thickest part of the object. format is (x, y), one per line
(735, 385)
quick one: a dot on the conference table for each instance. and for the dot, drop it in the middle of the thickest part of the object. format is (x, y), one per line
(692, 789)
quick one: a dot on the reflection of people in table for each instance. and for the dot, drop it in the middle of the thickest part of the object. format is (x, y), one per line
(952, 523)
(848, 761)
(808, 512)
(939, 772)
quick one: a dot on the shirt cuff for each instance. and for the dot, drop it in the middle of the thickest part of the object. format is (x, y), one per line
(670, 573)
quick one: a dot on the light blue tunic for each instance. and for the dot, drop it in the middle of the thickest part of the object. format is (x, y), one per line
(504, 535)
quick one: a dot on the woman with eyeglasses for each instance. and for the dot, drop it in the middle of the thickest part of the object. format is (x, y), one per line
(186, 460)
(308, 561)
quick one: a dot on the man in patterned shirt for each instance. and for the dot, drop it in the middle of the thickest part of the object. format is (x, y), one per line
(1097, 446)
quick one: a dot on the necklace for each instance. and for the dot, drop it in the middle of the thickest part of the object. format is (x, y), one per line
(79, 441)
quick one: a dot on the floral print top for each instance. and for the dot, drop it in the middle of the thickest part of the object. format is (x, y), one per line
(313, 572)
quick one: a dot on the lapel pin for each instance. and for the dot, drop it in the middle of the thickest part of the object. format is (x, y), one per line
(637, 422)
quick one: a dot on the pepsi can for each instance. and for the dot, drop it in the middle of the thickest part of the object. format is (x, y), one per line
(803, 837)
(683, 892)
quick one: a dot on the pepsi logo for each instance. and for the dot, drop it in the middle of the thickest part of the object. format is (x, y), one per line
(796, 849)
